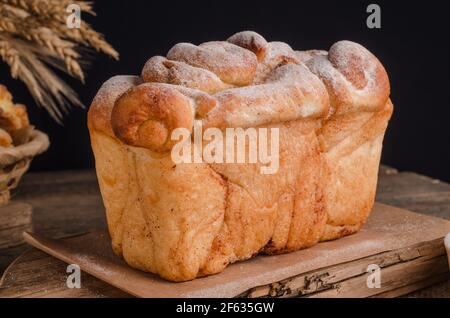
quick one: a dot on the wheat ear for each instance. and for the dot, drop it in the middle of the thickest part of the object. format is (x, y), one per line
(34, 34)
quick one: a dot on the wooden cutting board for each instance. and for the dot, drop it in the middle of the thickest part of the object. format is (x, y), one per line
(407, 247)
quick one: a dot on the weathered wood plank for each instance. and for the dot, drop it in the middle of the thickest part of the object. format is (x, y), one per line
(409, 183)
(419, 289)
(393, 277)
(67, 203)
(414, 192)
(8, 255)
(31, 279)
(36, 274)
(348, 279)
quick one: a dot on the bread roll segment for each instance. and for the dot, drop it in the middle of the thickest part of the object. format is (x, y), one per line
(111, 157)
(185, 220)
(251, 41)
(145, 115)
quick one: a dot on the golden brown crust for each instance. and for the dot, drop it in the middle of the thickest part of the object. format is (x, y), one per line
(14, 123)
(277, 54)
(351, 147)
(4, 93)
(290, 93)
(5, 139)
(159, 69)
(355, 79)
(251, 41)
(12, 116)
(99, 115)
(333, 232)
(146, 115)
(284, 91)
(305, 56)
(359, 126)
(183, 221)
(232, 64)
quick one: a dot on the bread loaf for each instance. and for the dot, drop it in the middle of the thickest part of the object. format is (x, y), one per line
(185, 220)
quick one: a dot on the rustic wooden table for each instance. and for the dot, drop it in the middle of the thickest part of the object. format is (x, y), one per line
(68, 203)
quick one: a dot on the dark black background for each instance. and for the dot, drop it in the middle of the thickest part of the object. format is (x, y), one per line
(413, 45)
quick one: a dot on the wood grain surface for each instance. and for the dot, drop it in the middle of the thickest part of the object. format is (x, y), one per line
(68, 203)
(15, 218)
(407, 248)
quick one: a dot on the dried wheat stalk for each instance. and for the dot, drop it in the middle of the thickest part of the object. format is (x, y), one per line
(29, 64)
(33, 35)
(48, 8)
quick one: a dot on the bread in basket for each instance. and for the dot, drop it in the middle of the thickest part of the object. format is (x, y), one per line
(19, 143)
(182, 221)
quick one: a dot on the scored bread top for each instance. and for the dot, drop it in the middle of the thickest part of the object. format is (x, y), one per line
(242, 82)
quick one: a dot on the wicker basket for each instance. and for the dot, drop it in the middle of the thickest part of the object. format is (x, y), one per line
(15, 161)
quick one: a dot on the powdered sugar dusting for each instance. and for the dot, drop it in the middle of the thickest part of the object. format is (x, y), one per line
(114, 87)
(350, 73)
(278, 53)
(354, 77)
(103, 102)
(251, 41)
(231, 63)
(161, 70)
(304, 56)
(290, 92)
